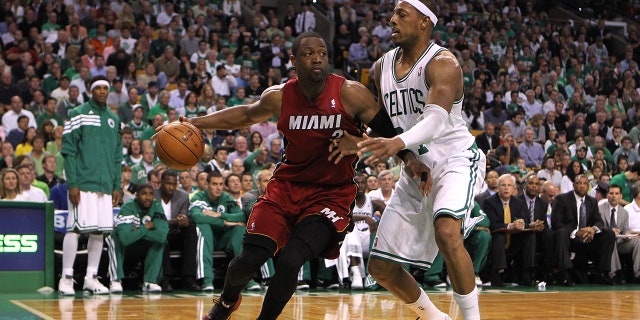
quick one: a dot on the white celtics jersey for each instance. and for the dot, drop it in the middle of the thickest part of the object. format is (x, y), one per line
(405, 99)
(365, 210)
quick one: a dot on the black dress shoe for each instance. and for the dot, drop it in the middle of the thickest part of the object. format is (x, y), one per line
(565, 279)
(603, 279)
(166, 285)
(527, 281)
(191, 284)
(618, 280)
(496, 280)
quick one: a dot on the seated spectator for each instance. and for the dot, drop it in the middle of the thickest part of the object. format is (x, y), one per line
(10, 187)
(26, 178)
(624, 180)
(220, 222)
(182, 231)
(6, 155)
(15, 110)
(139, 227)
(578, 228)
(386, 187)
(616, 219)
(626, 148)
(140, 170)
(531, 151)
(633, 208)
(15, 136)
(25, 146)
(38, 153)
(509, 241)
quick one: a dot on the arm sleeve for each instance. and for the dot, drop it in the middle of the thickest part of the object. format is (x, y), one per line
(431, 124)
(117, 165)
(160, 231)
(234, 212)
(71, 136)
(125, 222)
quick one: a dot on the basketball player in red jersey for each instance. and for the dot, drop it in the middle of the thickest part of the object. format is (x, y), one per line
(305, 211)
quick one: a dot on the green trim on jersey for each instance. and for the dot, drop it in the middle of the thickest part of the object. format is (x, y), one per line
(395, 258)
(406, 76)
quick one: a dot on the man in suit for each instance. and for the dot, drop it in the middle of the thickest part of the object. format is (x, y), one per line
(488, 141)
(616, 219)
(182, 231)
(537, 209)
(509, 241)
(578, 228)
(491, 180)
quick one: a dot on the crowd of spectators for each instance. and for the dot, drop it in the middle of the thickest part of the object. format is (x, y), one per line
(546, 93)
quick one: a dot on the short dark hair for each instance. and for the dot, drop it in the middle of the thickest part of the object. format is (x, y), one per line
(144, 186)
(296, 43)
(169, 173)
(635, 167)
(226, 180)
(213, 174)
(615, 186)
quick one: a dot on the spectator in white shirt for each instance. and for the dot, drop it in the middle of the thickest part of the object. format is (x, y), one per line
(223, 83)
(10, 118)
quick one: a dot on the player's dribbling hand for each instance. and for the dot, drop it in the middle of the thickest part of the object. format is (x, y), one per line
(344, 146)
(182, 119)
(380, 148)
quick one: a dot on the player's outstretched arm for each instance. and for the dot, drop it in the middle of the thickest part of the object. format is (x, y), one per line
(243, 115)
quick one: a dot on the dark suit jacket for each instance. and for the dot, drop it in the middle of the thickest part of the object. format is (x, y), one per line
(481, 196)
(564, 213)
(482, 140)
(179, 202)
(539, 209)
(493, 207)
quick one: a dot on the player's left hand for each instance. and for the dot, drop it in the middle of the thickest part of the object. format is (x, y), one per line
(418, 169)
(380, 148)
(116, 196)
(344, 146)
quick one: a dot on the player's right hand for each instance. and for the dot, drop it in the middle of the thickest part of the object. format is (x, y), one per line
(418, 169)
(182, 119)
(344, 146)
(74, 196)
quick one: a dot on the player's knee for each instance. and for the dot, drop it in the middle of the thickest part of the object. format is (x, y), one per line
(448, 234)
(382, 269)
(289, 261)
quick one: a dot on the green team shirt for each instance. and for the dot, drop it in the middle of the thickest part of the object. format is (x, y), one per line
(92, 149)
(225, 204)
(129, 223)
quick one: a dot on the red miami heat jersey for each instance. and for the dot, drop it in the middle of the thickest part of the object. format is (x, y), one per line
(308, 128)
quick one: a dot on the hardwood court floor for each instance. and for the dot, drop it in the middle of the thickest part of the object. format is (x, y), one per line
(582, 302)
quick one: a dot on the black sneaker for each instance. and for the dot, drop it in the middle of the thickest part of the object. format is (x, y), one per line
(221, 310)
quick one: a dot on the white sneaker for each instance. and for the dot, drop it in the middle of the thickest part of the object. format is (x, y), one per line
(115, 286)
(208, 288)
(92, 284)
(356, 283)
(151, 287)
(65, 286)
(478, 281)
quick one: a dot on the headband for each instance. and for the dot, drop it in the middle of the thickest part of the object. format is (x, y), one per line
(99, 83)
(423, 9)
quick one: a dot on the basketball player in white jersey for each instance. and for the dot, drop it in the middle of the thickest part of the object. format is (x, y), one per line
(355, 247)
(420, 85)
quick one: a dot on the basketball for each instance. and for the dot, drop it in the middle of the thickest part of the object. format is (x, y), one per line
(179, 145)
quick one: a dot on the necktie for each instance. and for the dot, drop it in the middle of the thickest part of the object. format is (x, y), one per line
(582, 219)
(531, 217)
(613, 223)
(507, 220)
(304, 19)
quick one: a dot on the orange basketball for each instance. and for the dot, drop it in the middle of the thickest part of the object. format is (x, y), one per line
(179, 145)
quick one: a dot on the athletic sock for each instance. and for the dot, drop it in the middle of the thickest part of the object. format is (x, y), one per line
(69, 251)
(94, 251)
(468, 304)
(424, 308)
